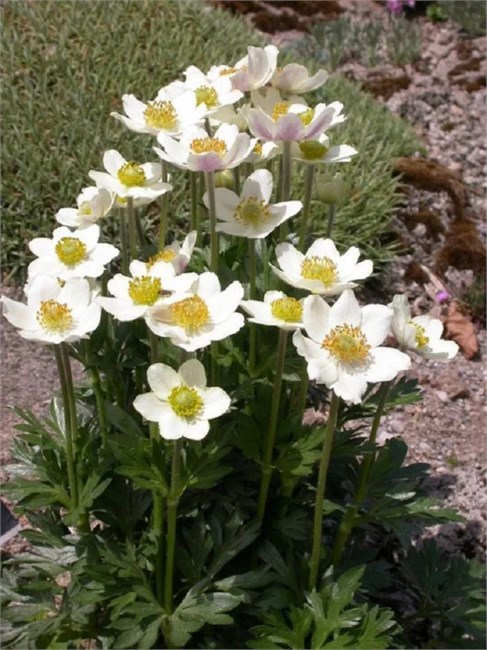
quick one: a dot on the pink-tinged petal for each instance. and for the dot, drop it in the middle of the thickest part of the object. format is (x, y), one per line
(162, 379)
(385, 364)
(150, 407)
(42, 246)
(216, 403)
(261, 64)
(376, 323)
(323, 248)
(289, 128)
(241, 148)
(205, 162)
(316, 317)
(196, 429)
(18, 314)
(321, 121)
(226, 203)
(346, 310)
(260, 124)
(349, 386)
(123, 310)
(258, 185)
(112, 161)
(193, 373)
(228, 133)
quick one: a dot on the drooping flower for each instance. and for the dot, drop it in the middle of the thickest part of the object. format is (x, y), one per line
(252, 71)
(344, 349)
(180, 401)
(279, 120)
(294, 79)
(71, 254)
(134, 296)
(277, 309)
(194, 319)
(175, 253)
(200, 152)
(313, 152)
(94, 203)
(55, 312)
(130, 179)
(422, 334)
(172, 116)
(321, 269)
(250, 214)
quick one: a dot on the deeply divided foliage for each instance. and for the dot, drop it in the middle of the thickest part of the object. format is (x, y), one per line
(186, 494)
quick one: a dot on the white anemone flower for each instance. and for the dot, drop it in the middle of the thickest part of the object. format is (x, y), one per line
(175, 253)
(180, 401)
(194, 319)
(313, 152)
(129, 179)
(250, 214)
(262, 152)
(294, 79)
(71, 254)
(94, 203)
(199, 152)
(344, 349)
(277, 310)
(321, 269)
(421, 334)
(55, 312)
(172, 116)
(290, 120)
(133, 296)
(252, 71)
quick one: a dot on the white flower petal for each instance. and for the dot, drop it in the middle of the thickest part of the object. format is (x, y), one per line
(316, 317)
(193, 373)
(150, 407)
(376, 322)
(346, 310)
(386, 364)
(162, 379)
(217, 402)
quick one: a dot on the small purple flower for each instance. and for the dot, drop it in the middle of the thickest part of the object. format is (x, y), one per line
(442, 296)
(394, 6)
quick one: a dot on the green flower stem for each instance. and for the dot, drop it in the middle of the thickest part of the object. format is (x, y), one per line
(124, 242)
(285, 186)
(236, 180)
(164, 209)
(252, 296)
(303, 392)
(193, 188)
(347, 523)
(132, 228)
(331, 218)
(100, 400)
(271, 433)
(172, 505)
(210, 188)
(308, 192)
(320, 490)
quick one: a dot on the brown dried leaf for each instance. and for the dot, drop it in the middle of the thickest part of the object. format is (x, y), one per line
(460, 328)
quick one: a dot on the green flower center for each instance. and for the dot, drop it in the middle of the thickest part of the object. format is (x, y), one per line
(190, 313)
(420, 335)
(207, 145)
(161, 115)
(312, 149)
(252, 211)
(131, 174)
(85, 209)
(185, 401)
(319, 268)
(206, 95)
(347, 344)
(287, 309)
(306, 116)
(70, 250)
(144, 290)
(54, 316)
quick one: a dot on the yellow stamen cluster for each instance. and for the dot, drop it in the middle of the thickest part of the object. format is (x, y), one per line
(280, 109)
(319, 268)
(312, 149)
(121, 200)
(347, 344)
(420, 335)
(206, 95)
(227, 71)
(257, 149)
(144, 290)
(161, 115)
(54, 316)
(70, 251)
(131, 174)
(287, 309)
(252, 211)
(185, 401)
(306, 116)
(166, 255)
(207, 145)
(190, 313)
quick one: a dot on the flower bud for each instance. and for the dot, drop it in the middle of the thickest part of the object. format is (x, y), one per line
(224, 179)
(330, 189)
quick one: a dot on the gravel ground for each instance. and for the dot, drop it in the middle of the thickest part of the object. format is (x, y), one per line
(447, 429)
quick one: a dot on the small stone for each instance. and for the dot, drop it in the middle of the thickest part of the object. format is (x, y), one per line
(397, 426)
(442, 396)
